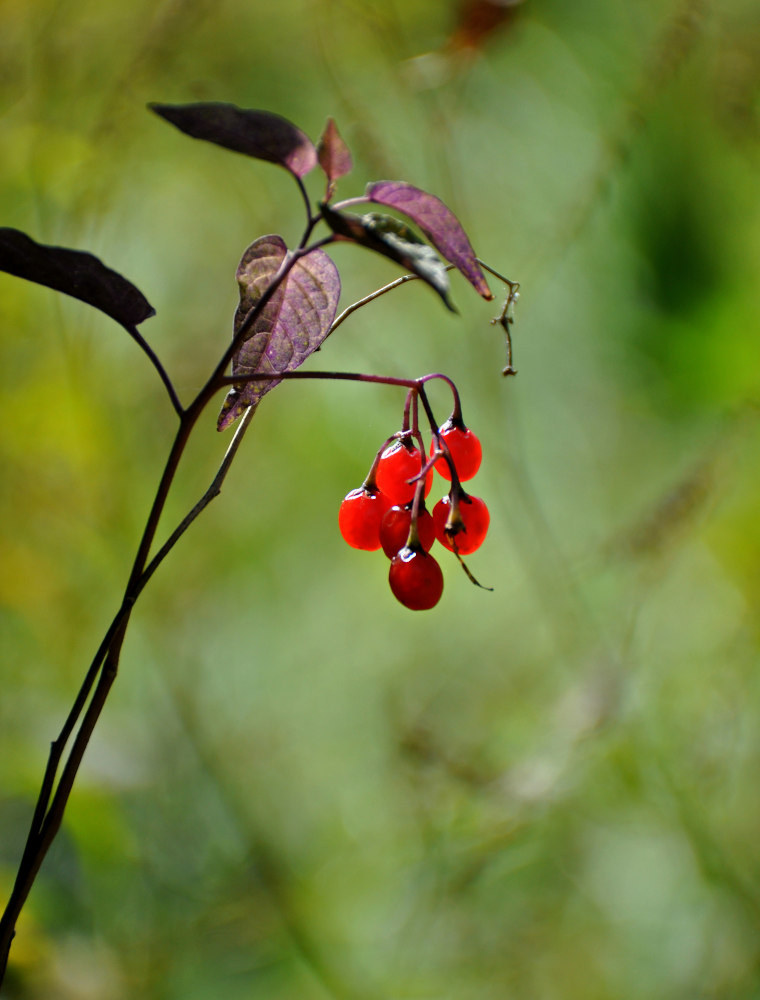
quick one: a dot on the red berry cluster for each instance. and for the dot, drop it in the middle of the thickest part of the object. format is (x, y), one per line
(388, 510)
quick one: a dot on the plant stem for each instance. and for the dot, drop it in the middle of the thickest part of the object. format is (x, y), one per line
(213, 491)
(253, 314)
(101, 674)
(406, 383)
(371, 298)
(311, 220)
(505, 319)
(48, 813)
(135, 334)
(52, 800)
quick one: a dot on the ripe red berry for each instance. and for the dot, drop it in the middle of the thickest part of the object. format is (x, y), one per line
(475, 520)
(394, 529)
(399, 463)
(464, 448)
(359, 518)
(416, 579)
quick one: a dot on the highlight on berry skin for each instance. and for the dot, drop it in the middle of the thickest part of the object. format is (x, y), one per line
(359, 517)
(399, 463)
(464, 450)
(388, 510)
(416, 579)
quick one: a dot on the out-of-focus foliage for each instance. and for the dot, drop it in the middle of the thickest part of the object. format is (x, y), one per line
(300, 789)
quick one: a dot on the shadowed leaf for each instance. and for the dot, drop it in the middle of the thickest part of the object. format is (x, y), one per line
(334, 157)
(260, 134)
(75, 273)
(437, 222)
(391, 238)
(291, 326)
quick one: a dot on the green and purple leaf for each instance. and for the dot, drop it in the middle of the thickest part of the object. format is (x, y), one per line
(333, 155)
(260, 134)
(74, 273)
(437, 222)
(392, 238)
(292, 324)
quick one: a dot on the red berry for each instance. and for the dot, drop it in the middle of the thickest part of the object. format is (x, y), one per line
(394, 529)
(416, 579)
(464, 448)
(475, 520)
(399, 463)
(359, 518)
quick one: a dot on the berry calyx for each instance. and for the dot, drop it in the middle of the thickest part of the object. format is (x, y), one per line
(400, 462)
(360, 515)
(461, 527)
(416, 579)
(464, 448)
(394, 529)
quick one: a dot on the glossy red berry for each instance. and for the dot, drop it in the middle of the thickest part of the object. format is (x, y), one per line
(359, 517)
(475, 520)
(416, 579)
(394, 529)
(399, 463)
(464, 447)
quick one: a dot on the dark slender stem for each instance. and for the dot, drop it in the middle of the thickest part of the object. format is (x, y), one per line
(213, 491)
(426, 406)
(415, 422)
(52, 822)
(44, 827)
(90, 700)
(407, 383)
(311, 221)
(370, 480)
(406, 419)
(58, 746)
(449, 382)
(47, 818)
(135, 334)
(50, 806)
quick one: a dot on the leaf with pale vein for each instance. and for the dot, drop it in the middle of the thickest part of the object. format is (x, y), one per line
(290, 327)
(392, 238)
(437, 222)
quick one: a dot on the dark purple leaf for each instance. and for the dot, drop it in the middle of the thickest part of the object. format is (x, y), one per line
(437, 222)
(75, 273)
(291, 326)
(394, 239)
(332, 152)
(260, 134)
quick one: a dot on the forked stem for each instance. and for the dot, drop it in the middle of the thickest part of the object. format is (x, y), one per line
(91, 697)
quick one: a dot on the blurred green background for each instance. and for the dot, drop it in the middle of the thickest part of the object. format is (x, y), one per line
(299, 789)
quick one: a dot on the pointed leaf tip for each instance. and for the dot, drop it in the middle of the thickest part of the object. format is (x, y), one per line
(437, 222)
(260, 134)
(333, 154)
(75, 273)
